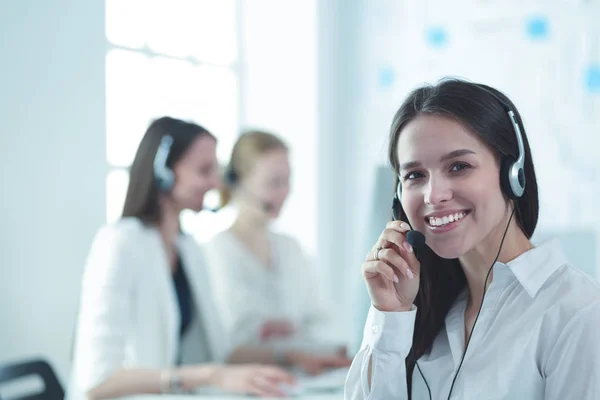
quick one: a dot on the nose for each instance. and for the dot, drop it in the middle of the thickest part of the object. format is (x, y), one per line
(215, 182)
(437, 191)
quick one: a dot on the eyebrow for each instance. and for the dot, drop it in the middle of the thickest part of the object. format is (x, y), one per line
(445, 157)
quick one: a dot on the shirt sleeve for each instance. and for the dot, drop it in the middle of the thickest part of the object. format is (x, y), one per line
(387, 340)
(104, 312)
(573, 368)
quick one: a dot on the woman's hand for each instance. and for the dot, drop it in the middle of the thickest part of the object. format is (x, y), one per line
(276, 328)
(391, 270)
(258, 380)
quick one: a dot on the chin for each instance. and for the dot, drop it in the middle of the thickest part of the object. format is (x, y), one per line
(196, 207)
(448, 251)
(274, 215)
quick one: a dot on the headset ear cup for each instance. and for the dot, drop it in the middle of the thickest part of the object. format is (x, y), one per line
(397, 202)
(396, 205)
(166, 180)
(230, 176)
(163, 175)
(505, 178)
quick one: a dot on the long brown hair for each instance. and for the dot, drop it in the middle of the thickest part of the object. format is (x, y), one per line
(141, 200)
(473, 106)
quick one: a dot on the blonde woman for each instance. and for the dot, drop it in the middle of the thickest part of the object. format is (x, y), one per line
(263, 281)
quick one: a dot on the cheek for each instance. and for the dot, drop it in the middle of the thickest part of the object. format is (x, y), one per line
(487, 199)
(411, 203)
(189, 186)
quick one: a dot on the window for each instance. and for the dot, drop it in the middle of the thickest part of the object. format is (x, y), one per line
(176, 58)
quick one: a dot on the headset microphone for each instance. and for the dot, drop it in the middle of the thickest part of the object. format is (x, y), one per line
(416, 239)
(231, 178)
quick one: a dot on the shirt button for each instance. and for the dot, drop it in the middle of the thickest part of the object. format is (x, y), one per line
(375, 328)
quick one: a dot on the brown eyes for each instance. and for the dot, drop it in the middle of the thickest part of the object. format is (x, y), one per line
(455, 168)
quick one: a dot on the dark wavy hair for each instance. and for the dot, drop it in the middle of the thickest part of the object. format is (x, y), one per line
(141, 200)
(476, 108)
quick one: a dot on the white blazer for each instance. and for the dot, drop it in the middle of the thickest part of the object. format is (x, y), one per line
(129, 315)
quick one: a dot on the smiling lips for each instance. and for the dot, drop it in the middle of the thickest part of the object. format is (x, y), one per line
(447, 220)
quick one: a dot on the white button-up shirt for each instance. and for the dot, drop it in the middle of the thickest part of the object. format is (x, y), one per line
(537, 337)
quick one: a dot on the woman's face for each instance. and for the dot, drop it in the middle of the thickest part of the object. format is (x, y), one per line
(196, 173)
(450, 184)
(268, 183)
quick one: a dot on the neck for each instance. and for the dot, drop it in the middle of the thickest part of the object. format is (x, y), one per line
(477, 263)
(169, 227)
(250, 223)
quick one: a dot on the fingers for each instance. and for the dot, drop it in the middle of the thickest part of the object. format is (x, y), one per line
(400, 261)
(261, 386)
(393, 233)
(377, 267)
(277, 375)
(394, 237)
(268, 381)
(399, 226)
(408, 254)
(388, 265)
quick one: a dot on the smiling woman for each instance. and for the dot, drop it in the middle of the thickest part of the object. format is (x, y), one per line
(467, 182)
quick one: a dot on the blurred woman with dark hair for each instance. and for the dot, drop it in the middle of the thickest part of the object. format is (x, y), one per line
(146, 319)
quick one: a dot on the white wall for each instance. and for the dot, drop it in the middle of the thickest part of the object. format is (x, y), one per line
(279, 93)
(52, 147)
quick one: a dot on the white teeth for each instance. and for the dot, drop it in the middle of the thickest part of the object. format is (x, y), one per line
(437, 221)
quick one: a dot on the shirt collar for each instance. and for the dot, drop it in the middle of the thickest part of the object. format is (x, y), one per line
(533, 268)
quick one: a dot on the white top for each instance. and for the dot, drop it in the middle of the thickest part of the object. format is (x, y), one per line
(537, 337)
(248, 293)
(129, 315)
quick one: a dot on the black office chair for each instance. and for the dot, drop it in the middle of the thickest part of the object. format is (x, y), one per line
(52, 387)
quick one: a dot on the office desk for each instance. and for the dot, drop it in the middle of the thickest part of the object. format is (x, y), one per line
(328, 386)
(316, 396)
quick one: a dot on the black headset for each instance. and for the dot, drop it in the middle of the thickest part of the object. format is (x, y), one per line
(231, 177)
(232, 180)
(512, 183)
(163, 175)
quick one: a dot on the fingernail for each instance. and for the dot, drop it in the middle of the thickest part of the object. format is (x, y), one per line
(409, 273)
(404, 225)
(396, 279)
(408, 247)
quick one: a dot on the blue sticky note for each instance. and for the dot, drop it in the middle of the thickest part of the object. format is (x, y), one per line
(538, 28)
(386, 77)
(592, 78)
(437, 37)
